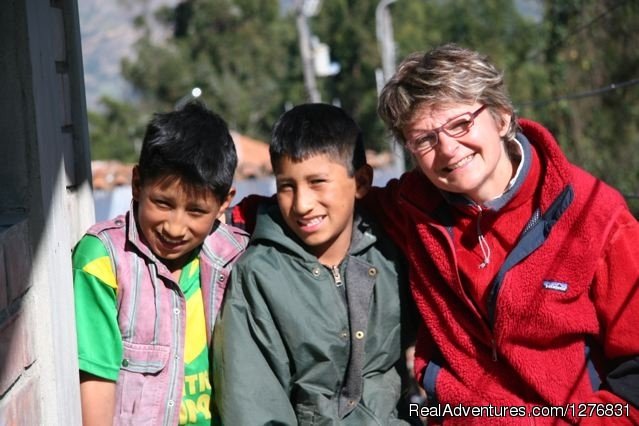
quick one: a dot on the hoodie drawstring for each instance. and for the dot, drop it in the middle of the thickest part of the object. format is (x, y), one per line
(483, 244)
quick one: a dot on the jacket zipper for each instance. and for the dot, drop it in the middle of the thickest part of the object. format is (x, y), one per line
(336, 275)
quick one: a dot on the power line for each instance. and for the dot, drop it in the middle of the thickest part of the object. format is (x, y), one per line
(596, 92)
(534, 55)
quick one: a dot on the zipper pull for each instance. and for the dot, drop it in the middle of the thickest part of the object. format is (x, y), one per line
(336, 275)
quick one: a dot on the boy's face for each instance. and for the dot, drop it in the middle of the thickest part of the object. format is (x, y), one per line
(175, 218)
(316, 197)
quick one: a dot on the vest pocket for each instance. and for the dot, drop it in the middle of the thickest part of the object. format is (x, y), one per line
(143, 383)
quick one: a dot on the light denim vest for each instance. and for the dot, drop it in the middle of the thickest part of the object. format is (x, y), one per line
(151, 314)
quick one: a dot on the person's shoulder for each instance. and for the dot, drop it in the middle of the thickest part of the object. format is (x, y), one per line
(225, 244)
(233, 234)
(595, 190)
(88, 249)
(118, 222)
(258, 255)
(380, 240)
(228, 235)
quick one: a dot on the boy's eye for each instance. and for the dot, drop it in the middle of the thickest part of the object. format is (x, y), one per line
(162, 203)
(281, 187)
(317, 181)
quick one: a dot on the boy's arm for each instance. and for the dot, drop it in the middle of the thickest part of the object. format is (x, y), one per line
(98, 400)
(98, 333)
(244, 214)
(250, 365)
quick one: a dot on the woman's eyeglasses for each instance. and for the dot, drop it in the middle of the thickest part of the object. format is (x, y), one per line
(455, 127)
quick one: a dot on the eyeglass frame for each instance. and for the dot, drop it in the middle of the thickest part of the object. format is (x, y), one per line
(442, 128)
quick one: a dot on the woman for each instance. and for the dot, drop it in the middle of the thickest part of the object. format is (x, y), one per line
(522, 264)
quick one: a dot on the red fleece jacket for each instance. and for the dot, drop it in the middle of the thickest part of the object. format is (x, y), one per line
(518, 335)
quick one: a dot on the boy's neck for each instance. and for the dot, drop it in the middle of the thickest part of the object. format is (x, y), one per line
(334, 253)
(175, 265)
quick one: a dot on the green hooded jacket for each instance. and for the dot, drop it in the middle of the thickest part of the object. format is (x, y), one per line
(295, 346)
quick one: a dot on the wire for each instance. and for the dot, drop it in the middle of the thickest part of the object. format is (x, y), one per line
(608, 88)
(534, 55)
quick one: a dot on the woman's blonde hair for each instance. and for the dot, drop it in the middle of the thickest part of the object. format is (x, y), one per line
(445, 75)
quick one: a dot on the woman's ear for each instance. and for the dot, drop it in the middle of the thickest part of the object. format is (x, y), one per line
(504, 118)
(363, 180)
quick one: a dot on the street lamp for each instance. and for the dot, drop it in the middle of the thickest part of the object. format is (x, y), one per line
(195, 93)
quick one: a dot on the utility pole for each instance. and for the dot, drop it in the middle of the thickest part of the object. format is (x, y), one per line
(304, 34)
(384, 31)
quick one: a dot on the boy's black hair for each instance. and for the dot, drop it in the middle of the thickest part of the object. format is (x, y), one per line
(311, 129)
(192, 143)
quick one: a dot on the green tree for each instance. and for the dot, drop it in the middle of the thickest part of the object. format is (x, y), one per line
(237, 52)
(589, 45)
(116, 131)
(244, 55)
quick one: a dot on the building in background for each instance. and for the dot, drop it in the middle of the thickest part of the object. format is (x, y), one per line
(45, 205)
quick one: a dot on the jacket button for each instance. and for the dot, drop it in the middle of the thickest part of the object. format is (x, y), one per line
(372, 272)
(359, 335)
(316, 271)
(344, 334)
(125, 362)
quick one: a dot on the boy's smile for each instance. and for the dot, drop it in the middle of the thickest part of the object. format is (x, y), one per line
(174, 217)
(316, 197)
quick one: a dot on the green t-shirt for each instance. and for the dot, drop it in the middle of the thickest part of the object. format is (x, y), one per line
(99, 338)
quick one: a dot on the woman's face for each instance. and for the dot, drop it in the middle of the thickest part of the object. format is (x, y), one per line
(474, 164)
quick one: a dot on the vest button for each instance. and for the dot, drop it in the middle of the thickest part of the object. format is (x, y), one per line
(221, 278)
(170, 403)
(125, 362)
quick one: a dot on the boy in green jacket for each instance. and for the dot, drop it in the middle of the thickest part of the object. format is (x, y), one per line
(311, 330)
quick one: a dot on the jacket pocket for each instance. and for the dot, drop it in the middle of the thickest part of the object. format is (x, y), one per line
(142, 384)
